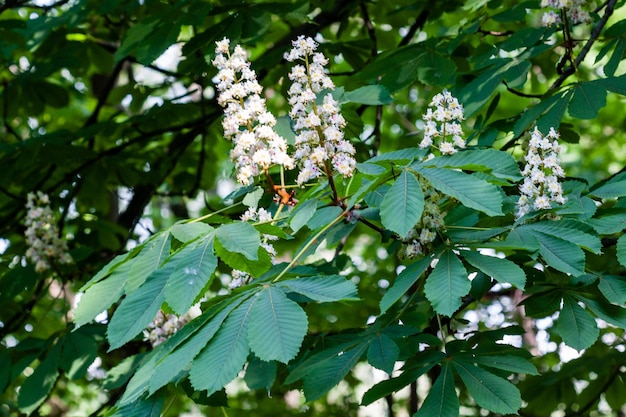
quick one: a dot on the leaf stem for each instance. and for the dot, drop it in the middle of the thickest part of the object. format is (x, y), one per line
(206, 216)
(308, 246)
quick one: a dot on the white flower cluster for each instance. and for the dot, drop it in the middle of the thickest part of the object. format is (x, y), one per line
(575, 10)
(262, 216)
(247, 122)
(541, 185)
(425, 231)
(443, 120)
(165, 325)
(42, 234)
(320, 143)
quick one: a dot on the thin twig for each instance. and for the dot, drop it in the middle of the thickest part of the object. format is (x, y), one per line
(610, 6)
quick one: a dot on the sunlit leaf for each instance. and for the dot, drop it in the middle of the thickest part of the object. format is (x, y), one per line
(192, 270)
(239, 237)
(223, 358)
(138, 309)
(322, 288)
(402, 205)
(472, 192)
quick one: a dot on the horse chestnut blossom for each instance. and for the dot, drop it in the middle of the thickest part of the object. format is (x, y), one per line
(262, 216)
(165, 325)
(574, 10)
(320, 143)
(443, 120)
(425, 231)
(247, 122)
(42, 235)
(541, 186)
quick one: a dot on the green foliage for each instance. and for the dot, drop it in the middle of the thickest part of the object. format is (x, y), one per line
(416, 265)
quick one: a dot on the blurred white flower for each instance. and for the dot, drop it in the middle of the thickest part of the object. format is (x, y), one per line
(42, 235)
(577, 11)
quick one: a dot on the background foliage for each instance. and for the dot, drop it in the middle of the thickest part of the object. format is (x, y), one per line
(108, 107)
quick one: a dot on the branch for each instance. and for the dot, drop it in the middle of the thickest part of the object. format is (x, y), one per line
(419, 23)
(370, 29)
(610, 6)
(520, 93)
(104, 94)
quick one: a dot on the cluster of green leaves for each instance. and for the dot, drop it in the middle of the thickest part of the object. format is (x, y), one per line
(81, 124)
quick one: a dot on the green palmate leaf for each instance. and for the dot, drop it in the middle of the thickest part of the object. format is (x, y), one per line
(530, 115)
(309, 365)
(277, 326)
(614, 187)
(99, 297)
(373, 95)
(610, 223)
(447, 284)
(553, 117)
(577, 327)
(138, 309)
(110, 267)
(570, 230)
(383, 353)
(441, 400)
(201, 330)
(621, 250)
(80, 348)
(542, 304)
(588, 99)
(488, 390)
(323, 217)
(502, 270)
(611, 313)
(140, 380)
(302, 214)
(510, 363)
(240, 238)
(497, 163)
(472, 192)
(223, 358)
(37, 386)
(150, 407)
(238, 261)
(401, 155)
(561, 254)
(323, 288)
(613, 287)
(193, 268)
(260, 374)
(154, 253)
(402, 205)
(427, 360)
(186, 232)
(122, 372)
(403, 282)
(328, 372)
